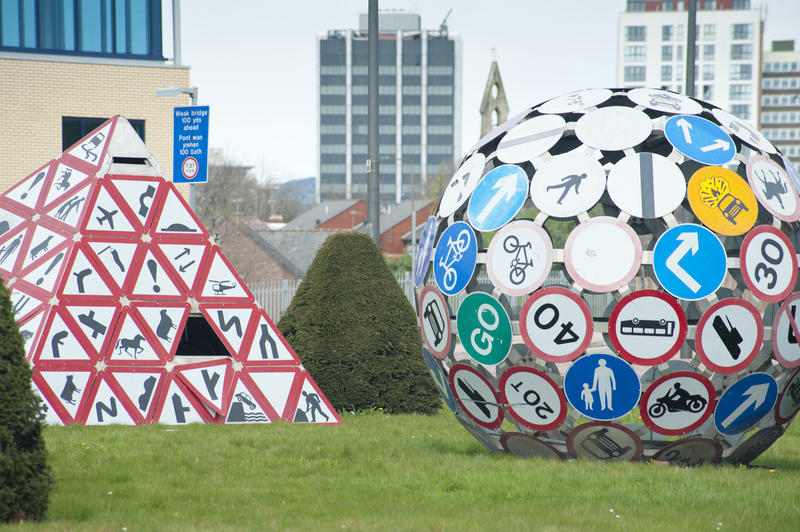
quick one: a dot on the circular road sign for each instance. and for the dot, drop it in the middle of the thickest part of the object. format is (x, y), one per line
(576, 101)
(793, 173)
(190, 168)
(729, 335)
(527, 446)
(484, 328)
(519, 258)
(646, 185)
(602, 386)
(613, 128)
(668, 102)
(532, 398)
(424, 251)
(773, 187)
(744, 130)
(603, 254)
(475, 395)
(556, 324)
(785, 332)
(498, 197)
(689, 261)
(745, 403)
(455, 258)
(789, 399)
(434, 321)
(678, 403)
(755, 445)
(608, 442)
(647, 327)
(461, 185)
(700, 139)
(528, 140)
(768, 263)
(691, 452)
(722, 200)
(439, 379)
(568, 185)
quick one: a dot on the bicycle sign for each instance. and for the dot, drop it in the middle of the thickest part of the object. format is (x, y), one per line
(678, 403)
(519, 258)
(455, 258)
(484, 328)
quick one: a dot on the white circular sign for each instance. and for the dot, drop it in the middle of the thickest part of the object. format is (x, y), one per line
(434, 319)
(568, 185)
(646, 185)
(729, 335)
(793, 173)
(576, 101)
(647, 327)
(189, 168)
(789, 399)
(613, 128)
(532, 398)
(786, 332)
(744, 130)
(528, 140)
(691, 452)
(668, 102)
(499, 130)
(603, 254)
(519, 258)
(476, 396)
(461, 185)
(556, 324)
(678, 403)
(773, 188)
(768, 263)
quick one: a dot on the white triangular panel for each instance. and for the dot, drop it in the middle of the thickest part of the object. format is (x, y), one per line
(65, 180)
(139, 195)
(70, 209)
(61, 343)
(208, 382)
(84, 279)
(107, 408)
(164, 322)
(175, 219)
(141, 387)
(29, 331)
(132, 344)
(91, 148)
(46, 274)
(232, 322)
(23, 304)
(95, 322)
(28, 191)
(244, 408)
(43, 241)
(177, 409)
(106, 215)
(269, 345)
(311, 407)
(68, 387)
(221, 281)
(185, 259)
(10, 249)
(116, 257)
(50, 415)
(153, 280)
(275, 386)
(8, 221)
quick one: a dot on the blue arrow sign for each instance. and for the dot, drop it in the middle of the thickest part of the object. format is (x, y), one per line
(498, 197)
(689, 262)
(745, 403)
(602, 387)
(455, 258)
(424, 251)
(700, 139)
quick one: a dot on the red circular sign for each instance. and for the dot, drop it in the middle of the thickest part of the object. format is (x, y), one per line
(785, 333)
(691, 452)
(647, 327)
(768, 263)
(788, 403)
(190, 168)
(526, 446)
(434, 321)
(677, 403)
(729, 335)
(556, 324)
(532, 398)
(476, 396)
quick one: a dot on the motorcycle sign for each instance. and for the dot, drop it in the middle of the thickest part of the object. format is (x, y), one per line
(678, 403)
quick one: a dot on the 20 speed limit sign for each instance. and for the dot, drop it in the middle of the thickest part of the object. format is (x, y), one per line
(769, 263)
(533, 398)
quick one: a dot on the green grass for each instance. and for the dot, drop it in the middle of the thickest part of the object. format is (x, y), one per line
(389, 472)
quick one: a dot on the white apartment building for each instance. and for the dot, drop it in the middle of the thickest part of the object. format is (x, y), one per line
(780, 99)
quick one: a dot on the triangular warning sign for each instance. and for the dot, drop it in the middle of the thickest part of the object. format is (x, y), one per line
(129, 313)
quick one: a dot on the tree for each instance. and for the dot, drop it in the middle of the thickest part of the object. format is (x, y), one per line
(25, 479)
(356, 332)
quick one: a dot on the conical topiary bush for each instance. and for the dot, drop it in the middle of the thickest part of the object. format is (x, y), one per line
(356, 332)
(25, 480)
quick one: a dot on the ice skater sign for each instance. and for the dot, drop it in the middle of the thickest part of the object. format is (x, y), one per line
(745, 403)
(455, 258)
(700, 139)
(602, 387)
(484, 328)
(190, 144)
(498, 197)
(689, 262)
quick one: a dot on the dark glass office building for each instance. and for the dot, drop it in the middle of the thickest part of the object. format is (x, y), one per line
(419, 107)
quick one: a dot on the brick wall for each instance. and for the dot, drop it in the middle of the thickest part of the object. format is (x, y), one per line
(347, 219)
(392, 237)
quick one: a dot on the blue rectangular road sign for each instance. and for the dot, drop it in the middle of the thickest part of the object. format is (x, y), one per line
(190, 144)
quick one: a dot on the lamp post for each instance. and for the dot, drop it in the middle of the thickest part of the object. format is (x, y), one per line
(413, 210)
(192, 92)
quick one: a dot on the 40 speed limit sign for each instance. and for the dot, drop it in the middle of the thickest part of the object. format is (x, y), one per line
(556, 324)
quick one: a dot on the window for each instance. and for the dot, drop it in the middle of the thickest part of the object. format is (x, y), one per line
(742, 111)
(440, 110)
(412, 89)
(332, 109)
(741, 31)
(741, 51)
(440, 130)
(709, 32)
(708, 52)
(740, 92)
(332, 70)
(741, 4)
(742, 71)
(666, 53)
(440, 90)
(74, 128)
(440, 70)
(636, 5)
(708, 72)
(709, 4)
(412, 70)
(635, 33)
(332, 89)
(635, 54)
(666, 73)
(708, 92)
(666, 5)
(666, 33)
(634, 73)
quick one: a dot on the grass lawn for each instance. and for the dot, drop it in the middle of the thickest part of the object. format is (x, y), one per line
(389, 472)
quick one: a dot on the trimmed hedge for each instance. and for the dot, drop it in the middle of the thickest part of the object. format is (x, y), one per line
(356, 333)
(25, 480)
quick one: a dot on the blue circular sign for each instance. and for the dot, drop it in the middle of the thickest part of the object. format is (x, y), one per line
(424, 251)
(745, 403)
(455, 258)
(602, 387)
(498, 197)
(689, 261)
(700, 139)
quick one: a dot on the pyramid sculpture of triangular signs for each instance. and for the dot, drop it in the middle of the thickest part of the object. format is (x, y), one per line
(106, 265)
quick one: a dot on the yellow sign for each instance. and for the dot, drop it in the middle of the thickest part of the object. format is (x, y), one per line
(722, 200)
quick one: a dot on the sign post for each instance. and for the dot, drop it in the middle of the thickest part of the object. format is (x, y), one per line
(190, 145)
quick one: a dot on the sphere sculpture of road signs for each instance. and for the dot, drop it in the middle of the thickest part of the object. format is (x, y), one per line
(612, 275)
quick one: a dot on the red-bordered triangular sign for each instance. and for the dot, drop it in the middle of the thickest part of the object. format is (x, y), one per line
(44, 275)
(179, 406)
(109, 214)
(210, 381)
(143, 386)
(132, 345)
(275, 386)
(24, 303)
(91, 149)
(65, 181)
(310, 405)
(142, 195)
(26, 193)
(266, 346)
(68, 211)
(96, 322)
(176, 220)
(185, 260)
(116, 256)
(152, 278)
(246, 404)
(231, 323)
(108, 404)
(66, 389)
(220, 282)
(164, 323)
(31, 330)
(63, 342)
(10, 218)
(87, 278)
(11, 244)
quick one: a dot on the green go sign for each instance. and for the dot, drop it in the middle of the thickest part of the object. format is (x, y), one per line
(484, 328)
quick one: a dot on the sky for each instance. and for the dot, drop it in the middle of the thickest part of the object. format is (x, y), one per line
(254, 62)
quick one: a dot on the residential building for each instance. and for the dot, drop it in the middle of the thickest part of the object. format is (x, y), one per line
(419, 107)
(66, 67)
(780, 99)
(651, 50)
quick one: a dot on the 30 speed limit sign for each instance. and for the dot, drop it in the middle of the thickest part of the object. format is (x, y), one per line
(769, 263)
